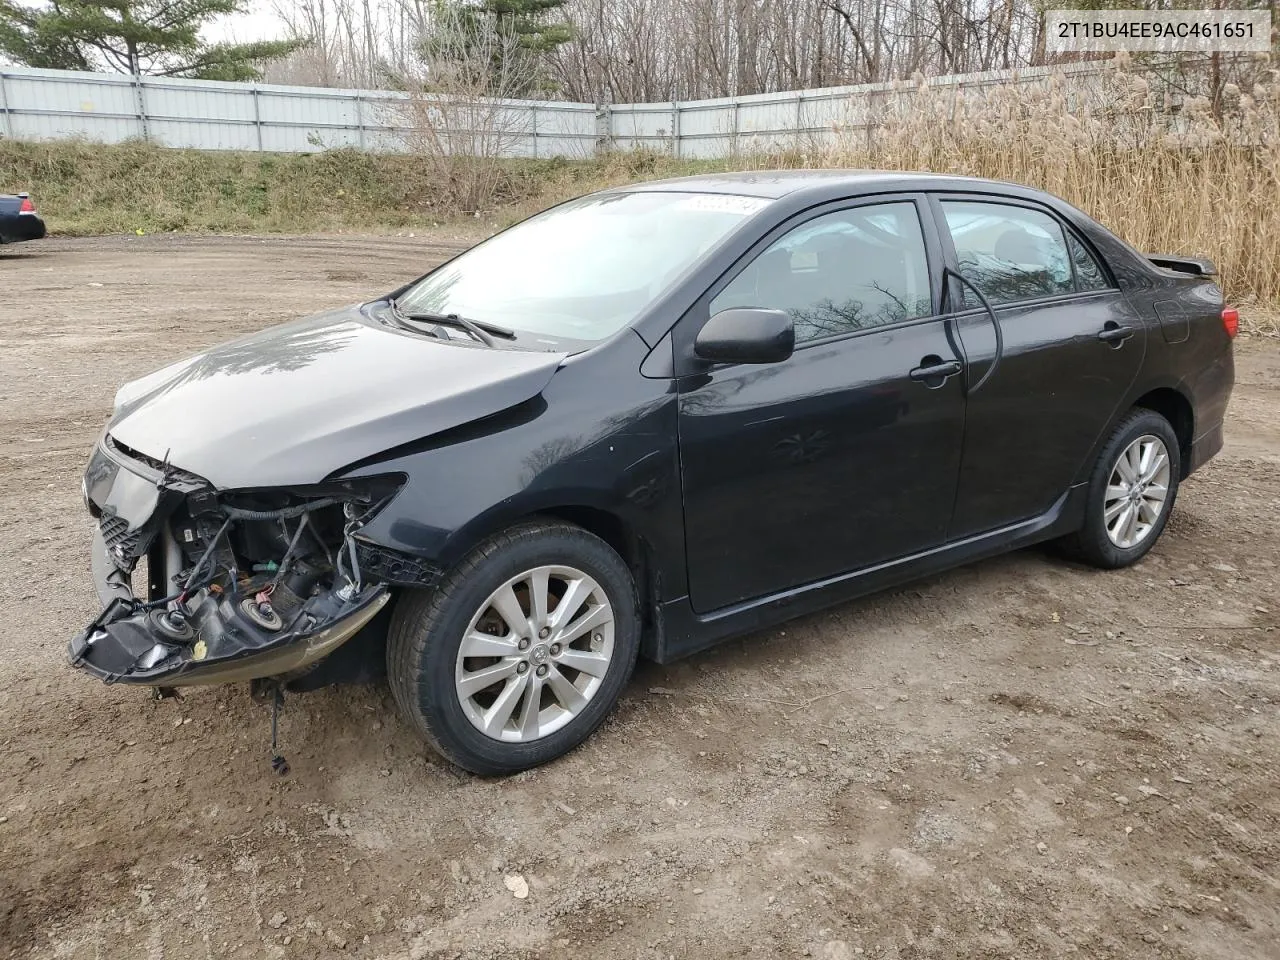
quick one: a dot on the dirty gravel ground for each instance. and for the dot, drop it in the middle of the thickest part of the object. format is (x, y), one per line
(1022, 758)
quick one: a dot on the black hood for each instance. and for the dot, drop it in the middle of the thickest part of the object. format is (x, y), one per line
(294, 403)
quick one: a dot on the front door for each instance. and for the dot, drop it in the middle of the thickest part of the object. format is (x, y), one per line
(1072, 348)
(836, 459)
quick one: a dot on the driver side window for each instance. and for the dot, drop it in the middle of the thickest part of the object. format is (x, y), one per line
(840, 272)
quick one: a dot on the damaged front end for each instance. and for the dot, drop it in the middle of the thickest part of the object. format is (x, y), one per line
(203, 586)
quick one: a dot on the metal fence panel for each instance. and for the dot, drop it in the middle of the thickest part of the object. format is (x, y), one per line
(51, 104)
(81, 105)
(636, 126)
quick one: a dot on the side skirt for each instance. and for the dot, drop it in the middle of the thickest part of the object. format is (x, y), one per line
(680, 631)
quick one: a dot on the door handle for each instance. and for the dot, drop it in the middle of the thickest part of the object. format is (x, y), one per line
(1115, 334)
(935, 368)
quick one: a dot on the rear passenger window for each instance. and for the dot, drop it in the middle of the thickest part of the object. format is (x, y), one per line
(840, 272)
(1009, 253)
(1089, 275)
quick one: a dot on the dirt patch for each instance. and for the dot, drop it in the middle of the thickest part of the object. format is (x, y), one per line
(1021, 758)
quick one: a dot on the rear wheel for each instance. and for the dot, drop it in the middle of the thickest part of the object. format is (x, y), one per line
(521, 652)
(1131, 492)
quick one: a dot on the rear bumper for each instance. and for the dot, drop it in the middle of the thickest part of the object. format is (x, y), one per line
(1210, 395)
(20, 227)
(1204, 448)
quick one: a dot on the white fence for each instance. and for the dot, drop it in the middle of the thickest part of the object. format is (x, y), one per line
(207, 115)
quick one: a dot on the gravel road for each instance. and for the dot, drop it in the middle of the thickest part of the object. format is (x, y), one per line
(1018, 759)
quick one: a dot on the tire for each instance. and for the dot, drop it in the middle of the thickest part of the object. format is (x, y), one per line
(1110, 549)
(436, 685)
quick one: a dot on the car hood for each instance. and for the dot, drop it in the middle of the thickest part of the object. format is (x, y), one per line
(294, 403)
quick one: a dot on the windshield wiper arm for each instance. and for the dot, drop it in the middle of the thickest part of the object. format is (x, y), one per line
(480, 329)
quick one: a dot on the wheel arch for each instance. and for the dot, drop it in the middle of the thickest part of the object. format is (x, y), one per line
(1168, 398)
(1175, 407)
(610, 526)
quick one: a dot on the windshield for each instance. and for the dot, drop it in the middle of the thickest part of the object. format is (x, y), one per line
(585, 269)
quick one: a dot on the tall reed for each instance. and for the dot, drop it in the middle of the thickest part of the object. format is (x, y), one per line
(1164, 172)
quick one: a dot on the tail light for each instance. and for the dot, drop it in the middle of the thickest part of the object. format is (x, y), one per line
(1231, 320)
(26, 206)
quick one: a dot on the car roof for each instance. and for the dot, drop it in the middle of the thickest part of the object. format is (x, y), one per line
(775, 184)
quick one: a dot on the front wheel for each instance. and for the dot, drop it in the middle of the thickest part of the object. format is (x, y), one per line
(1131, 492)
(522, 650)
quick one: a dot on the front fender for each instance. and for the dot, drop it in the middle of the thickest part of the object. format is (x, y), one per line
(600, 436)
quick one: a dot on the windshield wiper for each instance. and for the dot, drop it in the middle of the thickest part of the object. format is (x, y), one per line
(479, 329)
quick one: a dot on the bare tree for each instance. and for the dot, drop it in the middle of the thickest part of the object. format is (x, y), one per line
(655, 50)
(662, 49)
(351, 43)
(458, 112)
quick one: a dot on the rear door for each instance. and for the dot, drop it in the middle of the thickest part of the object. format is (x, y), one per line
(1072, 348)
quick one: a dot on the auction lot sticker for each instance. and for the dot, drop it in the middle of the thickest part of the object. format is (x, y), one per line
(1087, 31)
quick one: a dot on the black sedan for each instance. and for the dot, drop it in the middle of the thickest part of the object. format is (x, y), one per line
(18, 219)
(639, 423)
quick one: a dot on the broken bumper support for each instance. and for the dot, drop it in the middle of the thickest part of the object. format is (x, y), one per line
(135, 642)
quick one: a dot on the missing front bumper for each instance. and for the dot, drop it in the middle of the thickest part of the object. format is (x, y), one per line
(130, 643)
(239, 586)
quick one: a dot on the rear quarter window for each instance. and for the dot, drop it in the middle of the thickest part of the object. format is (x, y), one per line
(1089, 273)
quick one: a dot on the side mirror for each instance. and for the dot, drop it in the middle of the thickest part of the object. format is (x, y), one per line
(747, 335)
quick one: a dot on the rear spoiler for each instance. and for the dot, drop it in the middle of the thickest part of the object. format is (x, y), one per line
(1196, 266)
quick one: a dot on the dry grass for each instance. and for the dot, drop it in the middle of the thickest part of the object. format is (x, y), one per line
(1260, 319)
(1165, 174)
(89, 189)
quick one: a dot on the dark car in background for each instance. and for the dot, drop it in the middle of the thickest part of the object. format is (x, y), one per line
(19, 220)
(639, 423)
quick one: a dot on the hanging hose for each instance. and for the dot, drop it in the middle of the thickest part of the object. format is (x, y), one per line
(288, 553)
(213, 543)
(355, 561)
(279, 765)
(349, 543)
(971, 389)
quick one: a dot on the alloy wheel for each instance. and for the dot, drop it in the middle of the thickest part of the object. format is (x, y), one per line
(1137, 491)
(535, 653)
